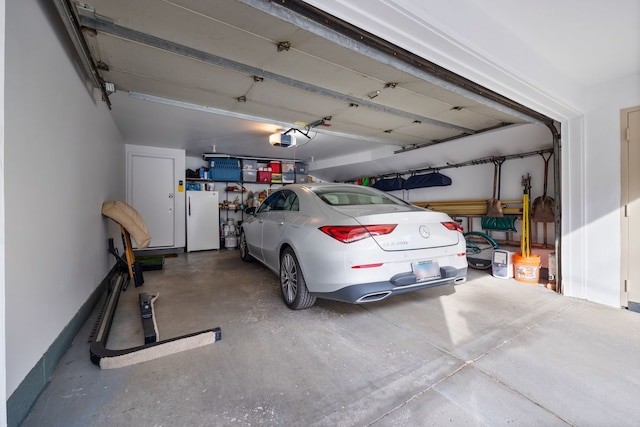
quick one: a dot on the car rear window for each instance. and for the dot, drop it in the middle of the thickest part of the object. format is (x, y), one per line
(343, 197)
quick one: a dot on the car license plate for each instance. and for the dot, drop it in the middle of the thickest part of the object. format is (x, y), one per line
(426, 270)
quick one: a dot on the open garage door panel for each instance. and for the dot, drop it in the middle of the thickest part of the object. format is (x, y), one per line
(286, 65)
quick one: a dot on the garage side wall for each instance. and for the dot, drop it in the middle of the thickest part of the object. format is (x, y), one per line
(63, 157)
(602, 181)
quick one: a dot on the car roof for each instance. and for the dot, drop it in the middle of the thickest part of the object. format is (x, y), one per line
(316, 185)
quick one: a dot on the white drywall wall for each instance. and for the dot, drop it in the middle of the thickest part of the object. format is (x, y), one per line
(63, 158)
(3, 366)
(601, 178)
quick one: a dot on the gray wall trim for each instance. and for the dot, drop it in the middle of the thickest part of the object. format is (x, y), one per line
(23, 398)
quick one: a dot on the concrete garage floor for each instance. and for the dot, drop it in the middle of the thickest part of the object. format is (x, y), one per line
(487, 352)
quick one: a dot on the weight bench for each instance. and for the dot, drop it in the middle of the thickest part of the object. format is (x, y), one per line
(131, 223)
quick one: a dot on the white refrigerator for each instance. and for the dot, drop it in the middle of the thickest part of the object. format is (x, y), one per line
(203, 220)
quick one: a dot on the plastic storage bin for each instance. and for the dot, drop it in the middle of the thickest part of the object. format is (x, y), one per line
(264, 176)
(302, 178)
(249, 175)
(249, 164)
(288, 167)
(275, 167)
(225, 169)
(301, 168)
(288, 177)
(276, 178)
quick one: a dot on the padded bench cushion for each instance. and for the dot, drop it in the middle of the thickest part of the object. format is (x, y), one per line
(130, 219)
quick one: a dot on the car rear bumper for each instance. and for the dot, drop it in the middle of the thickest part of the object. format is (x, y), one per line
(399, 284)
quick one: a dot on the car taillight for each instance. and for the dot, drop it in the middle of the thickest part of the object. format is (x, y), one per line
(453, 226)
(353, 233)
(376, 265)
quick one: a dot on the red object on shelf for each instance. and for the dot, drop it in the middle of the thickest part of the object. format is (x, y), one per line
(275, 167)
(264, 176)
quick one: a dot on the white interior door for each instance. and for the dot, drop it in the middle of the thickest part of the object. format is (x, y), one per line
(631, 206)
(152, 195)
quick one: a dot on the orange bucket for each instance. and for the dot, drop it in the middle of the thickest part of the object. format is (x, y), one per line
(526, 269)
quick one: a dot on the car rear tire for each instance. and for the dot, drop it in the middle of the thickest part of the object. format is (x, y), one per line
(244, 249)
(294, 288)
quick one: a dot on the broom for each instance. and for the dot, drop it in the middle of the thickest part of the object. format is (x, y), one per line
(525, 242)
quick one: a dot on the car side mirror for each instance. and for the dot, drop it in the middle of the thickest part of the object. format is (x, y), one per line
(251, 210)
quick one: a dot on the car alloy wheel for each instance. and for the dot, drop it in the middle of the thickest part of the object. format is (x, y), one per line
(294, 288)
(244, 250)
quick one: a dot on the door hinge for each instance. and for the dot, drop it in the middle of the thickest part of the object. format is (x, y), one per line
(625, 285)
(628, 134)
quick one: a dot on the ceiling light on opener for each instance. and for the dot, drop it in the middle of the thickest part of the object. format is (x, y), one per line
(282, 139)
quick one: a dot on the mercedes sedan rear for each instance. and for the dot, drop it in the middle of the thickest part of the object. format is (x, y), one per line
(351, 243)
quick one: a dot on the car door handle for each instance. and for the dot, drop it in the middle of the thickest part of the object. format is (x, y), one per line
(281, 223)
(261, 221)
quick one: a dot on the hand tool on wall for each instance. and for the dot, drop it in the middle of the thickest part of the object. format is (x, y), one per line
(544, 207)
(525, 239)
(494, 206)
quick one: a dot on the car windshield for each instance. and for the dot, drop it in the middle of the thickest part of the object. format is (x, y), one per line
(343, 196)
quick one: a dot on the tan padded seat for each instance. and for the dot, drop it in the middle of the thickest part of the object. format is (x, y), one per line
(130, 219)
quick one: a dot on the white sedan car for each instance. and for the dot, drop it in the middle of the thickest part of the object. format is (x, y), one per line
(350, 243)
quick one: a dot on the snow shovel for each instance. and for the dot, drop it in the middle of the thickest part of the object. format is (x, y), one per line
(494, 206)
(544, 207)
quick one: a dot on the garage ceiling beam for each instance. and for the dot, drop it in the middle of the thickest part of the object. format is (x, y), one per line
(236, 115)
(111, 28)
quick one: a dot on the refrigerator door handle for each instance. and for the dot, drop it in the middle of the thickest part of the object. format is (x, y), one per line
(189, 205)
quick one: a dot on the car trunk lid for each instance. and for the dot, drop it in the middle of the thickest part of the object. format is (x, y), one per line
(416, 228)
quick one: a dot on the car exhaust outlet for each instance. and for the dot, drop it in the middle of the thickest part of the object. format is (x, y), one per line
(377, 296)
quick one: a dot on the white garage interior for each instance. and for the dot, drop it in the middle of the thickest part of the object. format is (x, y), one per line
(278, 70)
(371, 89)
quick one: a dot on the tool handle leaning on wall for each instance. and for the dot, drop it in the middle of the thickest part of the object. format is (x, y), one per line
(494, 206)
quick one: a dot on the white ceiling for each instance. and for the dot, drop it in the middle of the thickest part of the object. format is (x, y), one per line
(587, 41)
(319, 78)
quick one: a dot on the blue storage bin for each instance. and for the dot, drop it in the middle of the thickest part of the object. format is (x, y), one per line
(225, 169)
